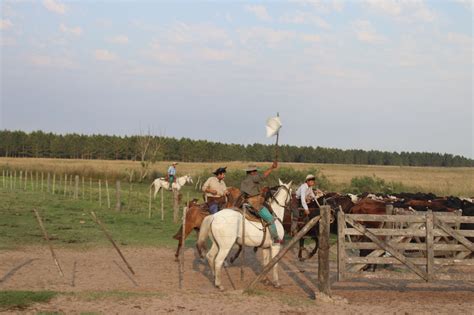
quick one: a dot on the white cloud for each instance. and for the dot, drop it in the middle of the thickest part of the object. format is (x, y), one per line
(55, 6)
(52, 62)
(305, 18)
(323, 6)
(267, 35)
(216, 54)
(165, 55)
(5, 24)
(260, 12)
(119, 39)
(310, 38)
(182, 33)
(411, 10)
(365, 32)
(104, 55)
(77, 31)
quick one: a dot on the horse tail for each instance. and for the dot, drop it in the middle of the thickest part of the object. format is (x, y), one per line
(204, 232)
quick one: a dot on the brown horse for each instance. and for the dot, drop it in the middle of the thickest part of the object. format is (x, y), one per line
(196, 213)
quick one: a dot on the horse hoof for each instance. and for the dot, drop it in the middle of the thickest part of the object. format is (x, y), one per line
(221, 288)
(277, 285)
(176, 258)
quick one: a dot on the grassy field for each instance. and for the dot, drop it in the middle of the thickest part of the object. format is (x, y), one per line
(441, 181)
(68, 221)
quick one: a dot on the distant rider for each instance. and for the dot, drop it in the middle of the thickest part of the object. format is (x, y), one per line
(172, 174)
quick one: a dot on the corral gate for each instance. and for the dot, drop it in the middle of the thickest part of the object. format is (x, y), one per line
(394, 239)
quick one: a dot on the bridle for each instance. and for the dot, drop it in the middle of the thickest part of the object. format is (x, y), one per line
(273, 197)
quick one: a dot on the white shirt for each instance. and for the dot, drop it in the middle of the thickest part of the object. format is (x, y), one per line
(305, 193)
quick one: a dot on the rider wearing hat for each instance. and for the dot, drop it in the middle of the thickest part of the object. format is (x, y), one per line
(215, 190)
(304, 195)
(250, 186)
(172, 174)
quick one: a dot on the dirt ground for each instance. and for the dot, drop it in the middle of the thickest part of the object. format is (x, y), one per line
(96, 280)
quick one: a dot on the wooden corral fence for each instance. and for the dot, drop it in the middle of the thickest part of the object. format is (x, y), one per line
(424, 242)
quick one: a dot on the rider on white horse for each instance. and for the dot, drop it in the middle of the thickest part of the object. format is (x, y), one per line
(172, 174)
(250, 186)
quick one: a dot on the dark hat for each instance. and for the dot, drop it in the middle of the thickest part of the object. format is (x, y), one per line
(220, 170)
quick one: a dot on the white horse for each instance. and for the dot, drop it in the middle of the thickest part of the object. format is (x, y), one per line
(225, 229)
(177, 184)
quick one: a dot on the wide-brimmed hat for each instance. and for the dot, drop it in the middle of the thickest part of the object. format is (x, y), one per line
(174, 163)
(310, 177)
(251, 168)
(220, 170)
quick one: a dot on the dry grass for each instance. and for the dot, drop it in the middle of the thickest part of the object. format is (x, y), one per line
(441, 181)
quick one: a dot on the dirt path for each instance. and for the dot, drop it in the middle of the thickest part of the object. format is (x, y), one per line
(96, 280)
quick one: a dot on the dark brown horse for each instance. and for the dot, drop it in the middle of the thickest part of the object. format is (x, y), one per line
(196, 213)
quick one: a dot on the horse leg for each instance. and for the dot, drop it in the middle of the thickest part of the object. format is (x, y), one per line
(219, 261)
(314, 251)
(157, 189)
(211, 256)
(275, 249)
(233, 258)
(300, 250)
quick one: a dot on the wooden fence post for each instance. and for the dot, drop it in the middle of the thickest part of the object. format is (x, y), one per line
(100, 193)
(76, 188)
(323, 251)
(71, 187)
(37, 182)
(429, 246)
(54, 183)
(118, 203)
(11, 180)
(48, 183)
(83, 188)
(90, 188)
(162, 206)
(181, 254)
(129, 195)
(32, 181)
(102, 227)
(3, 178)
(45, 234)
(108, 193)
(26, 180)
(42, 181)
(341, 248)
(282, 252)
(175, 205)
(65, 184)
(21, 176)
(149, 204)
(242, 260)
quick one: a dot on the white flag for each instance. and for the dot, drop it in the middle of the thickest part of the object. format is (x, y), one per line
(273, 126)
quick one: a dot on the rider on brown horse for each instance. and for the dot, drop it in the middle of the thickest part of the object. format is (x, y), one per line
(215, 190)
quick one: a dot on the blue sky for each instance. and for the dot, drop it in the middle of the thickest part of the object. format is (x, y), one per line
(390, 75)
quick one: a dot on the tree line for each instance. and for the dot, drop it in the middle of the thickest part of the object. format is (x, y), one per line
(40, 144)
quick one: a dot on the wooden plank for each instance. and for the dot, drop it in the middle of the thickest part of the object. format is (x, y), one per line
(341, 246)
(386, 218)
(387, 248)
(282, 252)
(385, 232)
(415, 261)
(323, 251)
(408, 232)
(457, 235)
(407, 246)
(410, 276)
(429, 245)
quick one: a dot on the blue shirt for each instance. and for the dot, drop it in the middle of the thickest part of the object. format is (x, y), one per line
(172, 171)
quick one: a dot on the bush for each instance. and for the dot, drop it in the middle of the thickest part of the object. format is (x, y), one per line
(374, 184)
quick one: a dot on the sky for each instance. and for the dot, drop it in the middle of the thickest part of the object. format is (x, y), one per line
(393, 75)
